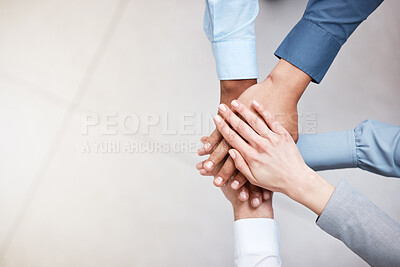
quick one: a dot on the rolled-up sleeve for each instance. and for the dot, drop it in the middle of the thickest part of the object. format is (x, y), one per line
(372, 146)
(314, 42)
(230, 27)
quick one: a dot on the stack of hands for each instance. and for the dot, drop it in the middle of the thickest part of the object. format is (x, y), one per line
(253, 151)
(267, 160)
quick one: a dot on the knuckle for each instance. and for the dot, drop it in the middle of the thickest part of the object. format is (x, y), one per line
(259, 142)
(241, 179)
(231, 138)
(219, 149)
(225, 172)
(239, 126)
(214, 158)
(251, 156)
(253, 121)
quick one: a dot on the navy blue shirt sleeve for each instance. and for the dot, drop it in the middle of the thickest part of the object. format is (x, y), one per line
(314, 42)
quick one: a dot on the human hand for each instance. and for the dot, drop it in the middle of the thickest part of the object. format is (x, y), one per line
(270, 158)
(250, 192)
(244, 209)
(280, 92)
(230, 90)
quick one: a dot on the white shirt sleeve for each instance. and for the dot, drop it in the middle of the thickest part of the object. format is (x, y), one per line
(230, 27)
(256, 242)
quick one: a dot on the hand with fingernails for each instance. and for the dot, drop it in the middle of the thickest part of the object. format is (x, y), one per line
(265, 153)
(281, 99)
(244, 209)
(237, 182)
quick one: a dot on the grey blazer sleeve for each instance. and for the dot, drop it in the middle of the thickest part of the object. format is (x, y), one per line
(363, 227)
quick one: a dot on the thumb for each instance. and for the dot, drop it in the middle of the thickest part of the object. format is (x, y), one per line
(241, 164)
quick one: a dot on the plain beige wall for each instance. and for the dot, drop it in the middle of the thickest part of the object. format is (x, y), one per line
(63, 60)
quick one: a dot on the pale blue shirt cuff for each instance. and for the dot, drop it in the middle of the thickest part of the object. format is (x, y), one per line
(236, 59)
(230, 27)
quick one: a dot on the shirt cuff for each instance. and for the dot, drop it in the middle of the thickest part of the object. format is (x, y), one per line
(309, 48)
(256, 236)
(327, 151)
(236, 59)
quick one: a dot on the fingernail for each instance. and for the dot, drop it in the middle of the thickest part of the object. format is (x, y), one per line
(235, 184)
(203, 172)
(266, 195)
(199, 165)
(207, 146)
(218, 181)
(243, 195)
(233, 156)
(255, 103)
(200, 151)
(208, 165)
(235, 104)
(217, 119)
(255, 202)
(222, 108)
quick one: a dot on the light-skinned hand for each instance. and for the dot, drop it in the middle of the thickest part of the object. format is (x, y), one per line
(266, 154)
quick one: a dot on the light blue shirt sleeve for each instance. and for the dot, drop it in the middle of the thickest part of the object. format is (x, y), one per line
(372, 146)
(314, 42)
(230, 27)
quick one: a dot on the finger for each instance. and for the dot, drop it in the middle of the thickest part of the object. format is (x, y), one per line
(238, 181)
(213, 140)
(243, 193)
(267, 195)
(272, 123)
(239, 125)
(230, 135)
(226, 172)
(217, 155)
(213, 172)
(251, 118)
(199, 165)
(241, 164)
(202, 152)
(255, 196)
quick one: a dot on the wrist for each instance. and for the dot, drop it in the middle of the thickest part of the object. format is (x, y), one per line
(312, 191)
(288, 80)
(232, 89)
(245, 211)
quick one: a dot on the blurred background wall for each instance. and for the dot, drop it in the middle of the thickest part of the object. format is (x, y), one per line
(64, 64)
